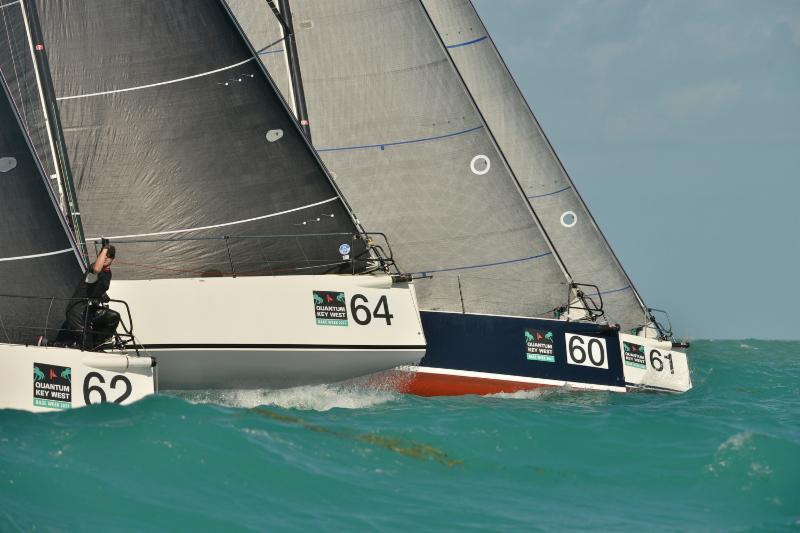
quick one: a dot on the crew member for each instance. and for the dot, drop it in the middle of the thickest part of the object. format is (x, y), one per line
(101, 322)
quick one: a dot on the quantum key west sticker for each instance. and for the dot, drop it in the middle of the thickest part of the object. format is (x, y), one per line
(539, 345)
(330, 308)
(633, 355)
(52, 386)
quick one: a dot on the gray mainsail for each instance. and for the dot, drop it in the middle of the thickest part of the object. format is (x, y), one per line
(578, 239)
(38, 261)
(176, 133)
(391, 119)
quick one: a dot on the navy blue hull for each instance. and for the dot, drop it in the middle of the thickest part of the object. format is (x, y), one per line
(515, 347)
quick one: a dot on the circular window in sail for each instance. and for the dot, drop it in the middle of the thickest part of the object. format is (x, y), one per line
(568, 219)
(480, 165)
(7, 163)
(274, 135)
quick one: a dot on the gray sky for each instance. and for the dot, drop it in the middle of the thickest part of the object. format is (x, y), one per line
(679, 123)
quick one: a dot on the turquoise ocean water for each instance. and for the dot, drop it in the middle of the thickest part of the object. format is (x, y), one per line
(725, 456)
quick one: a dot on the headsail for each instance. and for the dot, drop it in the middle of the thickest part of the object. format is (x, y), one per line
(567, 220)
(391, 119)
(38, 262)
(175, 131)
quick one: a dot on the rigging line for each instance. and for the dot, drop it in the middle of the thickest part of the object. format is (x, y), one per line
(625, 288)
(265, 52)
(568, 187)
(425, 272)
(33, 256)
(186, 230)
(3, 6)
(395, 143)
(467, 43)
(193, 76)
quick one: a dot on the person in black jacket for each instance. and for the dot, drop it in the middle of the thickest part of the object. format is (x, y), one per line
(101, 322)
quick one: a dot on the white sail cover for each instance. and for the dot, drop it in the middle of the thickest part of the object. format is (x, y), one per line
(582, 246)
(391, 119)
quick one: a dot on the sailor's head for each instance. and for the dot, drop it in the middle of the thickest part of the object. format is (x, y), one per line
(112, 252)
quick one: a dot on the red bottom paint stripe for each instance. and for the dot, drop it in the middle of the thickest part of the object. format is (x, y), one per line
(427, 384)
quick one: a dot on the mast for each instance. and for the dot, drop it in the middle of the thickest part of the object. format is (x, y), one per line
(294, 68)
(539, 224)
(53, 120)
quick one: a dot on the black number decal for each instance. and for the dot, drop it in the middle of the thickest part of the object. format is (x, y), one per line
(576, 345)
(361, 313)
(128, 387)
(600, 361)
(385, 314)
(88, 389)
(668, 357)
(655, 360)
(356, 307)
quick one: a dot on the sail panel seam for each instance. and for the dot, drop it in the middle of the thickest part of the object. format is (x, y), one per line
(396, 143)
(519, 260)
(170, 232)
(34, 256)
(467, 43)
(150, 85)
(549, 193)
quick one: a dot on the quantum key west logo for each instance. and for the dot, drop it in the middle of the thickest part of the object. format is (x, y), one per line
(633, 354)
(330, 308)
(52, 386)
(539, 345)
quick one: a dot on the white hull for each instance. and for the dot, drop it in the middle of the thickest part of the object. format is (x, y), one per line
(38, 378)
(271, 368)
(651, 364)
(269, 332)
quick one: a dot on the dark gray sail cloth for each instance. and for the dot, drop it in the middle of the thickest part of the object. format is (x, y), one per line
(174, 132)
(390, 117)
(580, 243)
(38, 261)
(16, 64)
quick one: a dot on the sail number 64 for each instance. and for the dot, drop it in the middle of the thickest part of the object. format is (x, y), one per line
(585, 350)
(363, 316)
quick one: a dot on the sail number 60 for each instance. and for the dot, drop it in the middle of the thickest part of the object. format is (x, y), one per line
(585, 350)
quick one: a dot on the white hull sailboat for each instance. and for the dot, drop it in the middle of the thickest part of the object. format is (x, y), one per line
(228, 227)
(274, 332)
(39, 268)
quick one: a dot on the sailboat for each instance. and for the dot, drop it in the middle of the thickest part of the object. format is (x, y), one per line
(39, 268)
(237, 253)
(411, 107)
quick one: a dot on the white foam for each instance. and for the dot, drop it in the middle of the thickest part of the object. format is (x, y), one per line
(308, 398)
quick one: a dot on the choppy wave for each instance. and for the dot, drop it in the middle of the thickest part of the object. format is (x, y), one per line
(722, 457)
